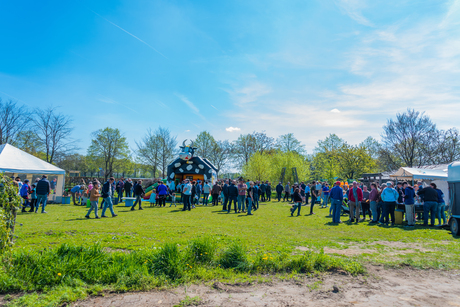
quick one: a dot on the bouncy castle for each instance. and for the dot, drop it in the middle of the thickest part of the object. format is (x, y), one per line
(188, 166)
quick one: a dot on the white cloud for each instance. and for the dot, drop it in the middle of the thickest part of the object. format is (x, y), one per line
(335, 111)
(250, 92)
(353, 9)
(231, 129)
(187, 130)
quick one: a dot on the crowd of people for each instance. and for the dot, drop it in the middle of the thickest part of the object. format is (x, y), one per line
(244, 196)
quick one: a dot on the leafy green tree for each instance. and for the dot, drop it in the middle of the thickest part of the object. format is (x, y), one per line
(110, 147)
(258, 167)
(10, 202)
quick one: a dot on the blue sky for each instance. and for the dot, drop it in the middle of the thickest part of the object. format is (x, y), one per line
(231, 67)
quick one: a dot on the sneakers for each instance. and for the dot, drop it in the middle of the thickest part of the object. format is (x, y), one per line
(104, 216)
(87, 217)
(44, 212)
(114, 215)
(132, 209)
(140, 208)
(97, 217)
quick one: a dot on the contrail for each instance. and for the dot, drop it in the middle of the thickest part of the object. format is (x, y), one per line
(129, 34)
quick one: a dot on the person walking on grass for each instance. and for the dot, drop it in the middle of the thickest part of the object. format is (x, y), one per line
(250, 197)
(336, 195)
(139, 193)
(314, 196)
(206, 192)
(233, 195)
(187, 193)
(43, 190)
(107, 193)
(225, 195)
(279, 191)
(94, 199)
(297, 199)
(389, 197)
(409, 203)
(355, 197)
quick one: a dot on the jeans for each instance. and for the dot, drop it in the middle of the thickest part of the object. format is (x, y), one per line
(225, 202)
(307, 196)
(410, 214)
(108, 204)
(441, 213)
(374, 211)
(256, 202)
(215, 199)
(286, 196)
(205, 198)
(429, 207)
(241, 202)
(198, 200)
(336, 205)
(128, 193)
(278, 195)
(313, 200)
(33, 203)
(231, 199)
(297, 206)
(120, 194)
(379, 210)
(186, 202)
(268, 196)
(325, 199)
(73, 198)
(354, 210)
(93, 207)
(161, 200)
(40, 199)
(249, 205)
(388, 211)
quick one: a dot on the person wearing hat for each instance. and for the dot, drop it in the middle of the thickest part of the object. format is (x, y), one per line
(389, 197)
(336, 195)
(355, 197)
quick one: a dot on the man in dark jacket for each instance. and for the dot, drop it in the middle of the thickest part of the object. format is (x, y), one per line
(430, 197)
(263, 189)
(268, 191)
(120, 188)
(43, 189)
(128, 186)
(279, 190)
(232, 197)
(138, 192)
(225, 192)
(107, 193)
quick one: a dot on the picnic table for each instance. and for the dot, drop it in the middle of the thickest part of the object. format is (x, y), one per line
(129, 201)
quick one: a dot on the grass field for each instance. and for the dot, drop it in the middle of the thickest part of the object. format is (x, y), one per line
(131, 247)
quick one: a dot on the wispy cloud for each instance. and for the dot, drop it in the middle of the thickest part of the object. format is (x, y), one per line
(214, 107)
(232, 129)
(129, 33)
(249, 92)
(353, 9)
(111, 101)
(190, 104)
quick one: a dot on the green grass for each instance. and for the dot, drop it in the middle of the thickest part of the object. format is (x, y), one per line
(163, 247)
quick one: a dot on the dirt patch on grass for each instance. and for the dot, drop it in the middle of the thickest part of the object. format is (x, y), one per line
(382, 287)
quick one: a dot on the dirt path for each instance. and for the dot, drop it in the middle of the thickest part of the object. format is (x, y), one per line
(403, 287)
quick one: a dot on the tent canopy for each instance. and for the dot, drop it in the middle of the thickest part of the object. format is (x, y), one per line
(454, 172)
(14, 160)
(421, 173)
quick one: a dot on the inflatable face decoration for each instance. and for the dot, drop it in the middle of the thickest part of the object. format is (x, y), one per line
(187, 151)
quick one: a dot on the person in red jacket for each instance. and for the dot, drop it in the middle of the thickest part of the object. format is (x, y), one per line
(355, 196)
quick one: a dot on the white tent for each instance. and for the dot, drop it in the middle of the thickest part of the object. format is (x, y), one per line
(14, 162)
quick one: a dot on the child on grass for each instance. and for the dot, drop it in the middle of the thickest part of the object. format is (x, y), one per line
(153, 199)
(173, 200)
(33, 196)
(94, 199)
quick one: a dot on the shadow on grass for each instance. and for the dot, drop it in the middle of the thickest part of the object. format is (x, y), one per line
(78, 219)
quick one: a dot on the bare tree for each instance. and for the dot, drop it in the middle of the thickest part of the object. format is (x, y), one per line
(148, 151)
(411, 137)
(205, 143)
(288, 142)
(13, 119)
(246, 145)
(448, 147)
(110, 147)
(53, 129)
(168, 144)
(221, 154)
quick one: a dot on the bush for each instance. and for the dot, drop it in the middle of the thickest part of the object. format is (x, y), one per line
(10, 202)
(169, 261)
(235, 257)
(202, 250)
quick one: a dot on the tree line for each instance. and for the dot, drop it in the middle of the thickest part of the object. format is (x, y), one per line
(411, 139)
